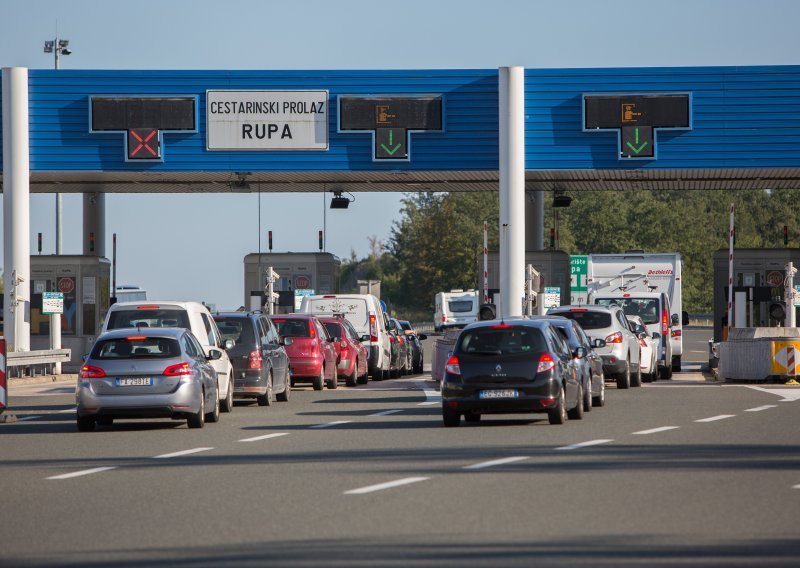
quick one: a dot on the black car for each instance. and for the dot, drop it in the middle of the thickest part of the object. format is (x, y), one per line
(415, 345)
(510, 367)
(401, 354)
(260, 365)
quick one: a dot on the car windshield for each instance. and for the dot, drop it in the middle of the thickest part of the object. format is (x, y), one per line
(148, 317)
(334, 329)
(588, 319)
(459, 306)
(136, 347)
(237, 328)
(292, 327)
(501, 340)
(406, 325)
(646, 308)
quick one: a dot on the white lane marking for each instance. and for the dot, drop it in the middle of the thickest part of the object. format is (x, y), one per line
(27, 418)
(73, 409)
(329, 424)
(584, 444)
(182, 453)
(265, 437)
(430, 403)
(796, 487)
(715, 418)
(760, 408)
(82, 472)
(789, 395)
(387, 485)
(655, 430)
(492, 463)
(432, 397)
(387, 412)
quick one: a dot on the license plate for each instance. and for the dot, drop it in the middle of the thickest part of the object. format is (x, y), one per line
(135, 382)
(499, 393)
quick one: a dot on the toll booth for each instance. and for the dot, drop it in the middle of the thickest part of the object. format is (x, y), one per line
(85, 283)
(552, 265)
(758, 274)
(300, 273)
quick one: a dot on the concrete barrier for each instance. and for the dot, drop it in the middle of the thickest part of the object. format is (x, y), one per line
(749, 353)
(441, 349)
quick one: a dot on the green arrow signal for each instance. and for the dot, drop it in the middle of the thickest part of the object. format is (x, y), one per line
(391, 140)
(636, 149)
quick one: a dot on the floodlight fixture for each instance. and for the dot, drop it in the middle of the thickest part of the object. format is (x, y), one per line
(339, 202)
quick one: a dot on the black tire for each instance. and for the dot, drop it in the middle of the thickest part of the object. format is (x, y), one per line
(287, 388)
(576, 413)
(334, 382)
(676, 363)
(450, 417)
(227, 404)
(213, 416)
(600, 399)
(266, 398)
(472, 417)
(666, 373)
(624, 378)
(636, 379)
(587, 398)
(558, 414)
(86, 423)
(198, 420)
(351, 380)
(418, 368)
(363, 379)
(105, 421)
(319, 382)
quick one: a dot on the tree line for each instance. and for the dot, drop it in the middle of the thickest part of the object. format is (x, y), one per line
(436, 243)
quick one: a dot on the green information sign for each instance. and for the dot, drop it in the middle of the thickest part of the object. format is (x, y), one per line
(578, 272)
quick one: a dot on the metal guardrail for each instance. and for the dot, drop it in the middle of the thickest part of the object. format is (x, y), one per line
(43, 357)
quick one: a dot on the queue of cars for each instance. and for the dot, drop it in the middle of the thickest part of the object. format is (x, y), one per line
(178, 360)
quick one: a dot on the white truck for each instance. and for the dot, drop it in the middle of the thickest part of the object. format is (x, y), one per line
(455, 308)
(642, 272)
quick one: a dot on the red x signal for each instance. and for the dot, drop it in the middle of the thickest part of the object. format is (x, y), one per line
(142, 145)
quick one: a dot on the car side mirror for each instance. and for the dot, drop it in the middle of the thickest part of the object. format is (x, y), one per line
(229, 344)
(643, 335)
(285, 341)
(422, 336)
(684, 318)
(656, 335)
(673, 320)
(580, 352)
(597, 342)
(214, 354)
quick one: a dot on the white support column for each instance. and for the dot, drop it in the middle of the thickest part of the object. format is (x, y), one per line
(94, 223)
(534, 220)
(16, 210)
(512, 190)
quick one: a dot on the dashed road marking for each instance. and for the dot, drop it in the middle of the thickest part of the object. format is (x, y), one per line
(182, 453)
(329, 424)
(655, 430)
(265, 437)
(387, 485)
(82, 472)
(28, 418)
(715, 418)
(760, 408)
(387, 412)
(73, 409)
(492, 463)
(584, 444)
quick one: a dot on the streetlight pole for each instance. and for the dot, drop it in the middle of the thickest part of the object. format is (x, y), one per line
(58, 47)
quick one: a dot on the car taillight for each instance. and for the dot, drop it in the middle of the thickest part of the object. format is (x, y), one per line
(343, 344)
(452, 366)
(91, 372)
(391, 339)
(373, 327)
(444, 318)
(664, 322)
(400, 340)
(178, 369)
(676, 333)
(642, 342)
(614, 338)
(546, 363)
(255, 359)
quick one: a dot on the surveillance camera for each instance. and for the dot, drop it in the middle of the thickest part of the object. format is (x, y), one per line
(66, 51)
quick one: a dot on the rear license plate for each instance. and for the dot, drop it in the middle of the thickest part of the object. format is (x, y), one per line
(135, 382)
(499, 393)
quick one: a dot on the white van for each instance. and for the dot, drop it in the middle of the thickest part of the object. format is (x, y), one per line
(455, 308)
(366, 314)
(193, 316)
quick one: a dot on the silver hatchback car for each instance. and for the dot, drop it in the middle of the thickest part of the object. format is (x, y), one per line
(621, 354)
(147, 373)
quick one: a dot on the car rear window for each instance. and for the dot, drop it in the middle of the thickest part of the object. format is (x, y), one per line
(501, 340)
(334, 329)
(148, 317)
(292, 327)
(135, 348)
(646, 308)
(588, 319)
(459, 306)
(238, 329)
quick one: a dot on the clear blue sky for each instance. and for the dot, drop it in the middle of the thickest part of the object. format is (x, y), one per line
(344, 34)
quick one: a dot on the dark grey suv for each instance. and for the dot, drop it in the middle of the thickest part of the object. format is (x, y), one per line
(260, 365)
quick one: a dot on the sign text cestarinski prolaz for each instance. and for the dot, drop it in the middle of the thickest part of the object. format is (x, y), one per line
(267, 120)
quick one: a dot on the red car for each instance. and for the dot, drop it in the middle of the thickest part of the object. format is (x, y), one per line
(352, 353)
(312, 356)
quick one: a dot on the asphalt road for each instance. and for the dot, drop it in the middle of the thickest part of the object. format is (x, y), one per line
(674, 473)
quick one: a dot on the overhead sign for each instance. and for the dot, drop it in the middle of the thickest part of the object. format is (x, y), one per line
(144, 120)
(391, 120)
(578, 270)
(267, 120)
(636, 118)
(52, 303)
